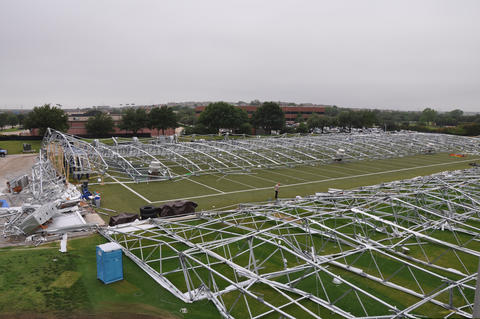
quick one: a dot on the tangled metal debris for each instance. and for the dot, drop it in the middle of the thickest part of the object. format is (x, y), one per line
(160, 158)
(407, 248)
(44, 203)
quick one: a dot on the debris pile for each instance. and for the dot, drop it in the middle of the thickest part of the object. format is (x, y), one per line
(42, 204)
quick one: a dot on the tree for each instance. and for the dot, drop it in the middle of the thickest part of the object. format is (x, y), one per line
(162, 118)
(332, 110)
(299, 118)
(3, 120)
(428, 115)
(456, 114)
(245, 128)
(133, 120)
(46, 116)
(12, 119)
(368, 118)
(302, 128)
(21, 118)
(100, 124)
(186, 116)
(345, 119)
(471, 129)
(316, 121)
(269, 116)
(222, 115)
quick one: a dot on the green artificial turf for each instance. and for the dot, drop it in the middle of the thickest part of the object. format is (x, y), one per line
(216, 191)
(16, 147)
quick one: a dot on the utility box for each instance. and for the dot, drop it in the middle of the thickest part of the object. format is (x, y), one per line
(109, 263)
(39, 217)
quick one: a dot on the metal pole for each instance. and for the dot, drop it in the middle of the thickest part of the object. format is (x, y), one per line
(476, 306)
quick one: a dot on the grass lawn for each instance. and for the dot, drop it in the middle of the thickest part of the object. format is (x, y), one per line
(215, 191)
(16, 147)
(44, 281)
(11, 129)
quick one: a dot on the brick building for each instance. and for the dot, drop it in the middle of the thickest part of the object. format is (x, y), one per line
(77, 126)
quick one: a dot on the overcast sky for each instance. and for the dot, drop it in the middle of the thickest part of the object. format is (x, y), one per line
(385, 54)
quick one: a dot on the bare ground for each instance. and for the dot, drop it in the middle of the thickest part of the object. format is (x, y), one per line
(14, 165)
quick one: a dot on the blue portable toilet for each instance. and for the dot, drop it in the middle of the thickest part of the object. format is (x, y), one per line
(3, 203)
(109, 262)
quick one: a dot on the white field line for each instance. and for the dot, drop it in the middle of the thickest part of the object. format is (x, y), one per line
(263, 178)
(351, 169)
(317, 182)
(148, 201)
(336, 170)
(289, 176)
(234, 181)
(191, 180)
(309, 172)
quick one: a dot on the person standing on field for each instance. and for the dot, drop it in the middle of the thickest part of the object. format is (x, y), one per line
(276, 190)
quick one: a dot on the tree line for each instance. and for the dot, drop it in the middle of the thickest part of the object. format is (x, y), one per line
(11, 119)
(98, 124)
(268, 117)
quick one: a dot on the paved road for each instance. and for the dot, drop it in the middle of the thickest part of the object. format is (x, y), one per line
(14, 165)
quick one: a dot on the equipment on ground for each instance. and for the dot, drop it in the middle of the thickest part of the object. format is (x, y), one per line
(27, 148)
(122, 218)
(339, 155)
(38, 218)
(85, 192)
(148, 212)
(154, 168)
(177, 208)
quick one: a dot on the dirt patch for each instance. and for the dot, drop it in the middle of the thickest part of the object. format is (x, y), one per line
(94, 219)
(285, 217)
(124, 287)
(66, 279)
(14, 165)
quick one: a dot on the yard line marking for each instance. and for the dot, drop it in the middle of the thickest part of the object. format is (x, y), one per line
(318, 181)
(191, 180)
(148, 201)
(234, 181)
(263, 178)
(354, 169)
(300, 179)
(300, 170)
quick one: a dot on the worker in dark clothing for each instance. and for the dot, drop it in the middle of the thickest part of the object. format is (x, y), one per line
(276, 190)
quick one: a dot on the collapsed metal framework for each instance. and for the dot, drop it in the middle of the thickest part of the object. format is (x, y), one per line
(44, 186)
(165, 158)
(403, 249)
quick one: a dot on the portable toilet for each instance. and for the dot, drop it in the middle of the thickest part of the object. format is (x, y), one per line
(96, 199)
(109, 262)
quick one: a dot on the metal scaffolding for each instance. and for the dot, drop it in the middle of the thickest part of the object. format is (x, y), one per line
(163, 158)
(402, 249)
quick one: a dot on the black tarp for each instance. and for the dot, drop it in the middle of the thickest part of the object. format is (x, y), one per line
(122, 219)
(177, 208)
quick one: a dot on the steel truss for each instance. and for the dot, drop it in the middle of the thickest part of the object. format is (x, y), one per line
(132, 159)
(402, 249)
